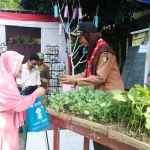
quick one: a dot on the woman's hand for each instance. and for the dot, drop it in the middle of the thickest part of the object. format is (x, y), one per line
(68, 80)
(41, 91)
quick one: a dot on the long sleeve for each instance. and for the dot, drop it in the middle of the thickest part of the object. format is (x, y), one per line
(102, 72)
(27, 101)
(47, 72)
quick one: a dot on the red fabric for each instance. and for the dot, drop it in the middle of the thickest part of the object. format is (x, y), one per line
(28, 17)
(43, 64)
(99, 43)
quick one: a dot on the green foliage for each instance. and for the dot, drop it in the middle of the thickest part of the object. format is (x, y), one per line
(115, 18)
(44, 80)
(40, 68)
(129, 108)
(10, 4)
(39, 5)
(23, 41)
(83, 102)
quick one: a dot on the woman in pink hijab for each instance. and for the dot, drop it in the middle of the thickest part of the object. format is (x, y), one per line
(12, 104)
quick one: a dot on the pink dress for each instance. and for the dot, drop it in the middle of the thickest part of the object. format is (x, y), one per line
(8, 131)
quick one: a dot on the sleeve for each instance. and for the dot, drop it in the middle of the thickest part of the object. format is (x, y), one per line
(102, 72)
(26, 102)
(18, 81)
(47, 73)
(38, 78)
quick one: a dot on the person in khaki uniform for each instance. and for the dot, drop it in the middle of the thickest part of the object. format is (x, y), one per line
(101, 71)
(44, 74)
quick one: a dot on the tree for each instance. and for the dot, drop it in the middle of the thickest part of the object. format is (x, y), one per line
(10, 4)
(115, 18)
(116, 21)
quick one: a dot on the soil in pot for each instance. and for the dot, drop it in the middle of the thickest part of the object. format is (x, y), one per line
(144, 138)
(148, 141)
(128, 133)
(134, 135)
(123, 130)
(138, 137)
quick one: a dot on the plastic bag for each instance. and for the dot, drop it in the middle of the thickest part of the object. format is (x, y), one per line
(37, 117)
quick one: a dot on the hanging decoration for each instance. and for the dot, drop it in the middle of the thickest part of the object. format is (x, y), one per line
(67, 26)
(84, 51)
(66, 21)
(56, 11)
(96, 19)
(74, 13)
(80, 12)
(66, 11)
(66, 49)
(60, 29)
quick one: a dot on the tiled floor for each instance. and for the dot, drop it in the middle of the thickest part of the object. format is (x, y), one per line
(68, 141)
(21, 141)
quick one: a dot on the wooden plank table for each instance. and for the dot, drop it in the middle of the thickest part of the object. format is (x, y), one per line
(87, 133)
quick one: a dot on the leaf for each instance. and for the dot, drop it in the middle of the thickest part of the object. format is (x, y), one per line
(90, 118)
(133, 94)
(134, 122)
(148, 109)
(44, 80)
(147, 124)
(86, 112)
(144, 91)
(137, 112)
(40, 68)
(71, 108)
(119, 98)
(139, 109)
(147, 115)
(116, 92)
(56, 107)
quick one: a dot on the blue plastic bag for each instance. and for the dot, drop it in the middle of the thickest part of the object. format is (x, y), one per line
(37, 117)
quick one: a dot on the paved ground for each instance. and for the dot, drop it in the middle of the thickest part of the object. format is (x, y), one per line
(21, 141)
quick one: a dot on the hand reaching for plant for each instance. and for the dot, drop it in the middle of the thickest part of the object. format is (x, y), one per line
(68, 79)
(41, 91)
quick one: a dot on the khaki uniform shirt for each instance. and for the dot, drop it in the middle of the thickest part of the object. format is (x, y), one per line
(44, 74)
(107, 75)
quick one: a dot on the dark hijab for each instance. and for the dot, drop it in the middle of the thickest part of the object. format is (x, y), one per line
(92, 39)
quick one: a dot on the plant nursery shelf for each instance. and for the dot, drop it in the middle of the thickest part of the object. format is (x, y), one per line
(105, 135)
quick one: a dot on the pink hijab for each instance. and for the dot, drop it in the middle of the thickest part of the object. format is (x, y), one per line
(10, 63)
